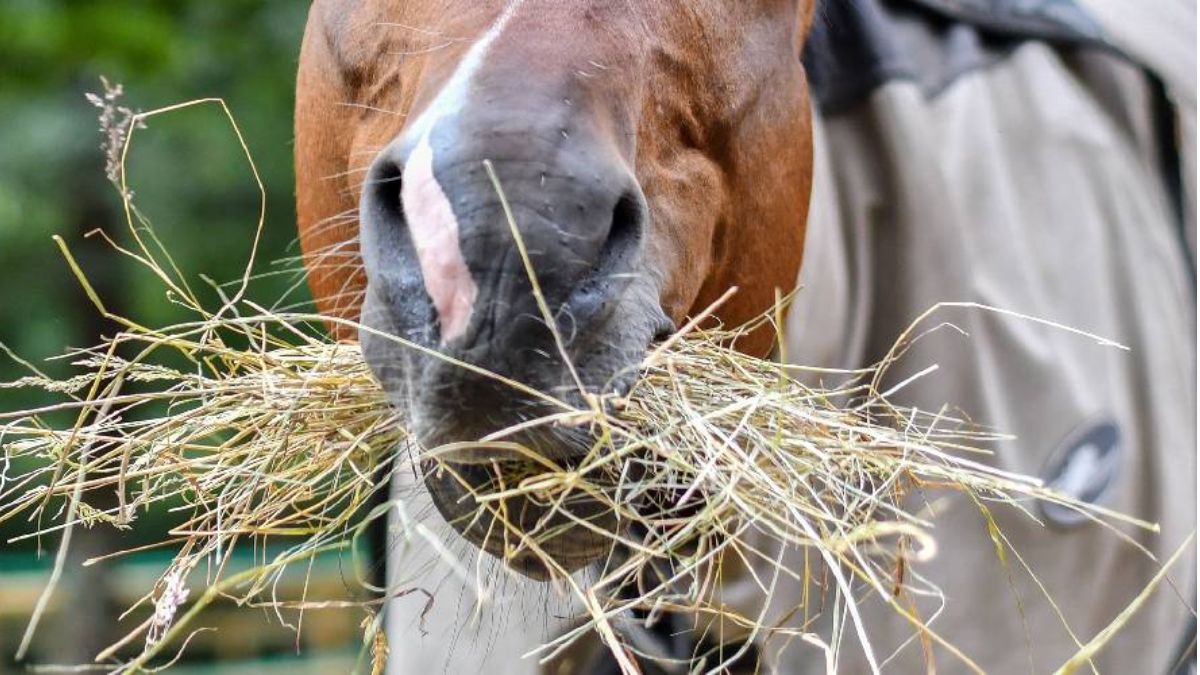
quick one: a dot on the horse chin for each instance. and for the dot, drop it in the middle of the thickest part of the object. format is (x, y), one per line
(540, 539)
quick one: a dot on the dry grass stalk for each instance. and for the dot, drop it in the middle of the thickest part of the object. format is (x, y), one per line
(265, 430)
(281, 437)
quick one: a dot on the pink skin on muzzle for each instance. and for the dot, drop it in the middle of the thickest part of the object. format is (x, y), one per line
(434, 231)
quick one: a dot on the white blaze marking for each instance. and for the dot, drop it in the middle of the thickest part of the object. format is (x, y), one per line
(453, 95)
(434, 231)
(431, 221)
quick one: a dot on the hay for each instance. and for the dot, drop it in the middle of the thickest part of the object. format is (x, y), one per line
(283, 437)
(264, 430)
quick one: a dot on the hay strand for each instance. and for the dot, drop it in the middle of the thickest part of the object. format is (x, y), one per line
(252, 426)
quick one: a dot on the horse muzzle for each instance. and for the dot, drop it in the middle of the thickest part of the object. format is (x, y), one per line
(518, 282)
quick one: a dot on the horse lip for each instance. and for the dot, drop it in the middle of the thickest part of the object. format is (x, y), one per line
(531, 564)
(571, 549)
(481, 453)
(446, 420)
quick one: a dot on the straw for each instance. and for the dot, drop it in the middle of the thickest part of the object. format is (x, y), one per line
(258, 428)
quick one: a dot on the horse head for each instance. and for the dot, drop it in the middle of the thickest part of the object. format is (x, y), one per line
(651, 156)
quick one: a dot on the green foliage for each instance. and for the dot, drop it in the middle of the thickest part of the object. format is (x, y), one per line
(191, 178)
(187, 170)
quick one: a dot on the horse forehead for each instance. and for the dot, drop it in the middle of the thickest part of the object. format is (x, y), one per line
(451, 97)
(393, 40)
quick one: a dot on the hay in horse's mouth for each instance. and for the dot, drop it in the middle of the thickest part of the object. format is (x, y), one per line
(709, 453)
(274, 432)
(523, 530)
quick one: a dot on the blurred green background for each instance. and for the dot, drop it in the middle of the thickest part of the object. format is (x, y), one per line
(191, 179)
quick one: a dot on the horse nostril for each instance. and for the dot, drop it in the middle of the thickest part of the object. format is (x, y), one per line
(596, 294)
(382, 224)
(624, 234)
(382, 198)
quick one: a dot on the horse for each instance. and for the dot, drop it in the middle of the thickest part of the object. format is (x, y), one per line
(655, 155)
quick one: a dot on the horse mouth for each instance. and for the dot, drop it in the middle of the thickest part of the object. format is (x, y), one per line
(543, 536)
(481, 441)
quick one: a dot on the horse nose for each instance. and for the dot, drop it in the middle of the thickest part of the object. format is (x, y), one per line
(444, 266)
(430, 202)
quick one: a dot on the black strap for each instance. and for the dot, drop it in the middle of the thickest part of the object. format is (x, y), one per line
(858, 45)
(1168, 141)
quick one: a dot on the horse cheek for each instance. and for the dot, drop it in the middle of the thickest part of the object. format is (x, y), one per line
(324, 209)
